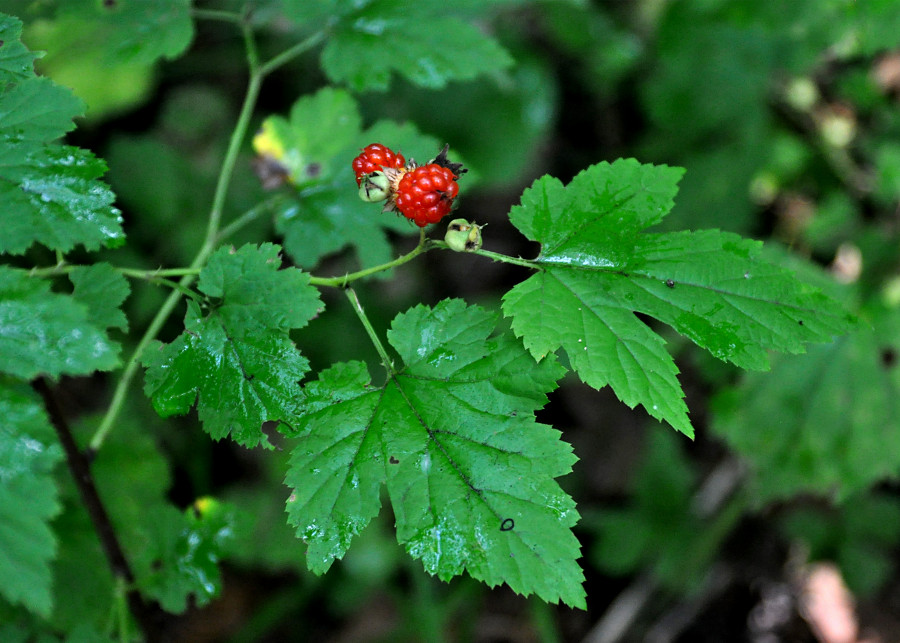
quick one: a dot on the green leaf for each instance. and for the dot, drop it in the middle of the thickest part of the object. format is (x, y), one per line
(469, 472)
(237, 361)
(320, 126)
(186, 548)
(424, 43)
(43, 332)
(597, 269)
(131, 31)
(28, 498)
(16, 62)
(101, 289)
(824, 424)
(50, 193)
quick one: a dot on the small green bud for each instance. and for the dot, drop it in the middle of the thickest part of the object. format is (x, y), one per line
(463, 236)
(374, 187)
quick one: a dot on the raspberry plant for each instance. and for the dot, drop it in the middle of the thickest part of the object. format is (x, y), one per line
(445, 423)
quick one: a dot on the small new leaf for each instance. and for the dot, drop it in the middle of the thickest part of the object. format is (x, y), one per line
(469, 473)
(597, 268)
(236, 360)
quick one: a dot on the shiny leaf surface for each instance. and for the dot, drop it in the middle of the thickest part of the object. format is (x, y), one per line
(50, 193)
(597, 269)
(469, 473)
(235, 359)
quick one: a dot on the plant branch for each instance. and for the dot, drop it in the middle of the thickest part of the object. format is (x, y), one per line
(341, 282)
(495, 256)
(289, 54)
(209, 243)
(112, 549)
(361, 313)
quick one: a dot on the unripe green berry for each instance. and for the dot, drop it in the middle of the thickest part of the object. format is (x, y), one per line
(463, 236)
(374, 187)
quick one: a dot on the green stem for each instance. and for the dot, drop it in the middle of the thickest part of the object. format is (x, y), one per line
(213, 14)
(495, 256)
(250, 216)
(358, 309)
(158, 274)
(291, 53)
(209, 243)
(341, 282)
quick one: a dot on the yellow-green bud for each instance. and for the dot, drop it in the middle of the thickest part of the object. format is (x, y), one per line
(374, 187)
(463, 236)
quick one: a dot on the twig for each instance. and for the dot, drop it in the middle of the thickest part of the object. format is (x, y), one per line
(81, 473)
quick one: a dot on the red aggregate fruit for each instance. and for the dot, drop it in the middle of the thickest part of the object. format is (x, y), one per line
(425, 194)
(374, 158)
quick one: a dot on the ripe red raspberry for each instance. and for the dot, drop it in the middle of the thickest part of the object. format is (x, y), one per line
(374, 158)
(426, 193)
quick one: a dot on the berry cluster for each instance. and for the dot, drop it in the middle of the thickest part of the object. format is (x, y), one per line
(422, 193)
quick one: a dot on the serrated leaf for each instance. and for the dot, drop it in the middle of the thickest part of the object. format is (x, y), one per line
(16, 62)
(825, 424)
(597, 269)
(426, 45)
(101, 289)
(46, 333)
(469, 472)
(50, 193)
(237, 361)
(28, 498)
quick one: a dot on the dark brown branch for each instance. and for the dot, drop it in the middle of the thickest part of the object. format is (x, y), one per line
(81, 473)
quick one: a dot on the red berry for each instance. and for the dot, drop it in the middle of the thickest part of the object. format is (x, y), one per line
(426, 193)
(374, 158)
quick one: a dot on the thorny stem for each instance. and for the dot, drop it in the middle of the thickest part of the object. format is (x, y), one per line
(361, 313)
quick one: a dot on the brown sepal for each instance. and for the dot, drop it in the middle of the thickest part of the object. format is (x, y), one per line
(442, 160)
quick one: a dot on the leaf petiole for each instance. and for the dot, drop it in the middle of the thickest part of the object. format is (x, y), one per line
(361, 313)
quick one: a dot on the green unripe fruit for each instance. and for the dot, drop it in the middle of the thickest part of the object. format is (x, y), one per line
(463, 236)
(374, 187)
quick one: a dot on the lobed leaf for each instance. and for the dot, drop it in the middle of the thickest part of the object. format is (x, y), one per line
(597, 269)
(469, 473)
(47, 333)
(28, 498)
(426, 46)
(236, 359)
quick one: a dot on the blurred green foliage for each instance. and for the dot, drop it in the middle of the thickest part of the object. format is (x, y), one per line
(783, 114)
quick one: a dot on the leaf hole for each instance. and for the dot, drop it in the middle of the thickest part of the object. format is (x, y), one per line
(888, 357)
(800, 321)
(507, 524)
(393, 460)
